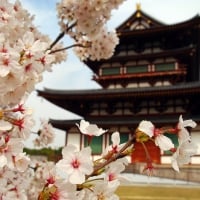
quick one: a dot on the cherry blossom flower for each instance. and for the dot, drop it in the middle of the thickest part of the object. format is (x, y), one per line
(90, 129)
(94, 31)
(64, 190)
(187, 148)
(23, 126)
(98, 48)
(183, 134)
(183, 154)
(21, 162)
(23, 53)
(59, 190)
(45, 135)
(114, 169)
(103, 190)
(115, 146)
(14, 184)
(8, 62)
(5, 126)
(160, 140)
(76, 164)
(43, 171)
(9, 149)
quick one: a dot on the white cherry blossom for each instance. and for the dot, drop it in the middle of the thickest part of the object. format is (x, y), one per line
(46, 134)
(76, 164)
(10, 148)
(64, 190)
(183, 134)
(115, 146)
(5, 126)
(183, 154)
(161, 140)
(103, 190)
(186, 148)
(113, 171)
(22, 126)
(90, 129)
(21, 161)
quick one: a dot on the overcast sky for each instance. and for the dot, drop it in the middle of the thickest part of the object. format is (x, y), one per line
(72, 74)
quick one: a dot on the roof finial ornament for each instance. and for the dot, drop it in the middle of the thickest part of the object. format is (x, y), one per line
(138, 6)
(138, 9)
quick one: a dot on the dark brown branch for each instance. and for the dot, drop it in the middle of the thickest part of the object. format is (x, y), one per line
(61, 35)
(116, 156)
(71, 46)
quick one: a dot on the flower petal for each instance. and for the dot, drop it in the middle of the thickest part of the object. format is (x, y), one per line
(164, 142)
(115, 138)
(146, 127)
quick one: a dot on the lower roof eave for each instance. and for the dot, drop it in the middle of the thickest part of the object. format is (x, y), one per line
(130, 122)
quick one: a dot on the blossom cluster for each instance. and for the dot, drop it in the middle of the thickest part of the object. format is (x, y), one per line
(78, 176)
(99, 179)
(24, 54)
(85, 22)
(186, 148)
(45, 134)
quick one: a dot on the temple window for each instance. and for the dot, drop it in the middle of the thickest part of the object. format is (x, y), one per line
(136, 69)
(96, 144)
(124, 137)
(164, 67)
(174, 139)
(110, 71)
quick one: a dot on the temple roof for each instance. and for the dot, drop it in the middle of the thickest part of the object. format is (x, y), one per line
(140, 22)
(131, 121)
(79, 101)
(140, 28)
(163, 28)
(174, 90)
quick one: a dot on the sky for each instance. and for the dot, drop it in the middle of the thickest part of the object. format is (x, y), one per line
(73, 74)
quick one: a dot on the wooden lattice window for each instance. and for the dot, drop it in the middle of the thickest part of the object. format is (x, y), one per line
(123, 138)
(110, 71)
(136, 69)
(95, 144)
(174, 139)
(165, 67)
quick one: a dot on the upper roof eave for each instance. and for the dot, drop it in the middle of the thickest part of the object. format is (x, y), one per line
(185, 24)
(134, 16)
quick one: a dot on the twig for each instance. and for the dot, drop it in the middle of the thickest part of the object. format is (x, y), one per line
(116, 156)
(61, 35)
(71, 46)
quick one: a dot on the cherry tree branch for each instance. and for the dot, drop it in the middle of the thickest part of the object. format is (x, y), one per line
(68, 47)
(61, 35)
(116, 156)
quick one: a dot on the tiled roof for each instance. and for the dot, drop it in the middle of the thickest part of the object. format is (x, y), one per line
(178, 89)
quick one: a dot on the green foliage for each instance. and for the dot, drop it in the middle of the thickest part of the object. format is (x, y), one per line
(51, 154)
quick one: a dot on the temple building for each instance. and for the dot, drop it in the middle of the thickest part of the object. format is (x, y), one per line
(153, 75)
